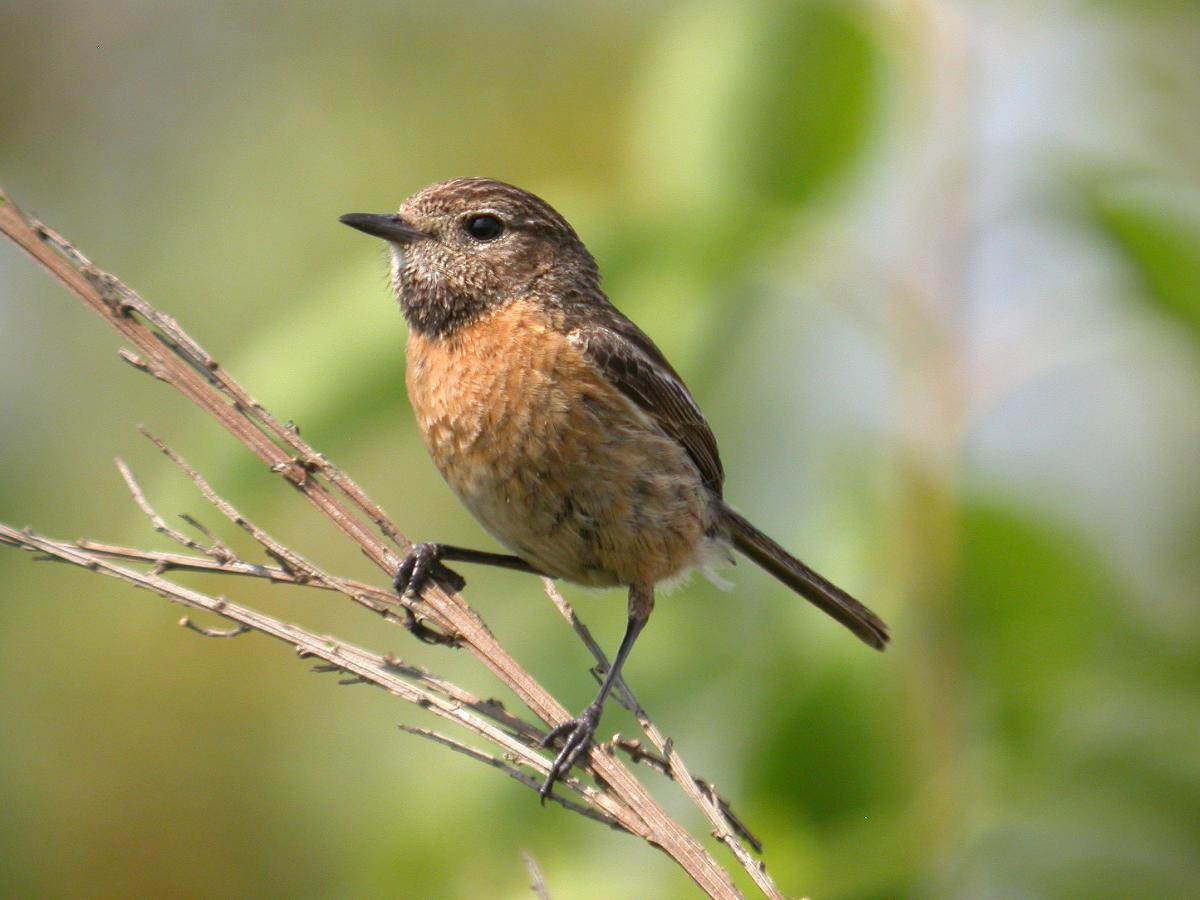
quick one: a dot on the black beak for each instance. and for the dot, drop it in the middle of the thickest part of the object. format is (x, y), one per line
(388, 227)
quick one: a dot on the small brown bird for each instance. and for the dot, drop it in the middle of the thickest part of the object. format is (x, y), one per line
(558, 423)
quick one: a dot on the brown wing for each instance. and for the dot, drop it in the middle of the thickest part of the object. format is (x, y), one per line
(631, 361)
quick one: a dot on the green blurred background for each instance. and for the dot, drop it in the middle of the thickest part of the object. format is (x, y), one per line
(931, 268)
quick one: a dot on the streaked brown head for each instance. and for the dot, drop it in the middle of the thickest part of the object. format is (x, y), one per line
(461, 248)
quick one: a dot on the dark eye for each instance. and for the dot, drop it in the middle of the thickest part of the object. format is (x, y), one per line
(484, 228)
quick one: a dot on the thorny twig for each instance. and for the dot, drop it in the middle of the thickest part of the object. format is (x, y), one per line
(507, 768)
(410, 683)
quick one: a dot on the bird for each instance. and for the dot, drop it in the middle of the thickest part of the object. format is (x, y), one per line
(558, 422)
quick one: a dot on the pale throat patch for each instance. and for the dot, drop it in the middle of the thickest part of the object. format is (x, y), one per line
(421, 266)
(396, 257)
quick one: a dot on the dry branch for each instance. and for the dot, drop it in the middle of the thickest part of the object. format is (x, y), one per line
(407, 682)
(162, 349)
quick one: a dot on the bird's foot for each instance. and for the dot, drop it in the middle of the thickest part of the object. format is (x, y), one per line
(577, 735)
(423, 563)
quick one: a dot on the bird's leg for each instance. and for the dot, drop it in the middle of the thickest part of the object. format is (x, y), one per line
(424, 561)
(483, 558)
(577, 734)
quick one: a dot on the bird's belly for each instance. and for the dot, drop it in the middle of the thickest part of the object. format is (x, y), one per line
(556, 463)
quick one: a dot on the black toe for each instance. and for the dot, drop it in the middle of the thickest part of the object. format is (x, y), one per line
(577, 736)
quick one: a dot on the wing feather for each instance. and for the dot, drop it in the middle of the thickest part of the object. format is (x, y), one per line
(632, 362)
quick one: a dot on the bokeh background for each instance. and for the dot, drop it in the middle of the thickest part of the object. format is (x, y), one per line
(932, 269)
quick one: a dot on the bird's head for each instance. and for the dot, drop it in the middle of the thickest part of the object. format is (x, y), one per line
(461, 248)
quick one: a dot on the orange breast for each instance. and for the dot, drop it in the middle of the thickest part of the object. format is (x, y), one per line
(555, 462)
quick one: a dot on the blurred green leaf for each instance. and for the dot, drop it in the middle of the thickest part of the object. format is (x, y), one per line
(1035, 600)
(1156, 227)
(1079, 762)
(816, 759)
(804, 107)
(750, 111)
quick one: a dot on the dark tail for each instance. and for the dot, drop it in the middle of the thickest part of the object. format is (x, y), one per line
(804, 581)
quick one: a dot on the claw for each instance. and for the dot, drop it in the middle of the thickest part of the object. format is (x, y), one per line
(425, 634)
(404, 574)
(423, 563)
(578, 734)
